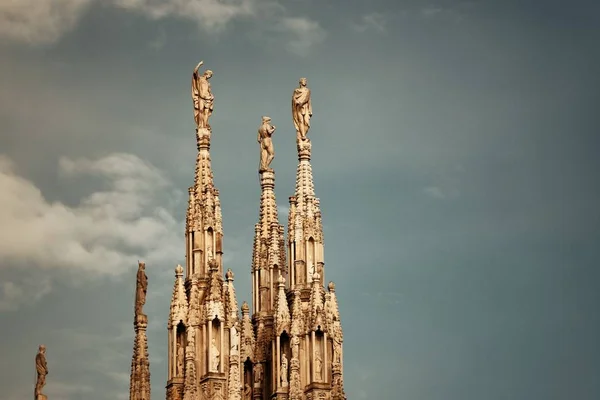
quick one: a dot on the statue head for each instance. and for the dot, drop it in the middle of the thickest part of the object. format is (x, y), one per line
(303, 82)
(266, 120)
(142, 265)
(42, 349)
(208, 74)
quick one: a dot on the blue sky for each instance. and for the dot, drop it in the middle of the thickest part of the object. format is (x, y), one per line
(454, 152)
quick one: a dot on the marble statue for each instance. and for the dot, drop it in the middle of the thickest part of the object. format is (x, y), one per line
(215, 356)
(258, 374)
(284, 371)
(180, 360)
(318, 365)
(235, 340)
(202, 97)
(141, 288)
(41, 367)
(265, 131)
(301, 110)
(247, 392)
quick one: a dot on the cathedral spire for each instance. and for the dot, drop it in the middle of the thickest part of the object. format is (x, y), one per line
(305, 229)
(139, 385)
(203, 338)
(268, 256)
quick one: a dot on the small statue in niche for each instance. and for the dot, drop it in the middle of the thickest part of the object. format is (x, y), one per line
(284, 371)
(318, 365)
(295, 346)
(180, 359)
(337, 352)
(247, 392)
(215, 356)
(257, 374)
(235, 340)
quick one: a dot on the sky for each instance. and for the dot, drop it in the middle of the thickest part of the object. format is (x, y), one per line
(455, 153)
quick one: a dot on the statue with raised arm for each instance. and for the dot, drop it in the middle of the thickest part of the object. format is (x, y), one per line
(202, 97)
(267, 153)
(301, 110)
(141, 288)
(42, 370)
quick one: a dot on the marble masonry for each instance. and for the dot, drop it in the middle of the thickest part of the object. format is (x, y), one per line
(285, 344)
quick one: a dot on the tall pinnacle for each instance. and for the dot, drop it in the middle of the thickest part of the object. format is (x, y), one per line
(204, 228)
(268, 256)
(305, 230)
(139, 387)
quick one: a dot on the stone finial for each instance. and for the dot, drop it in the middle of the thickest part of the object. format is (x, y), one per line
(331, 287)
(245, 308)
(178, 271)
(281, 280)
(229, 275)
(316, 277)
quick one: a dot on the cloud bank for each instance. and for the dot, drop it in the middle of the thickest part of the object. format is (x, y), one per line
(109, 228)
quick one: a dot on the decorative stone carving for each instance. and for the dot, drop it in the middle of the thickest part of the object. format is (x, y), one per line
(295, 342)
(247, 392)
(234, 340)
(267, 153)
(141, 288)
(180, 360)
(216, 357)
(41, 367)
(202, 97)
(301, 110)
(258, 374)
(318, 366)
(284, 371)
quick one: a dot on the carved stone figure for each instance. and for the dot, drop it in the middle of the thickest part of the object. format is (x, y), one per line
(141, 288)
(295, 346)
(41, 367)
(258, 374)
(247, 392)
(202, 97)
(267, 153)
(235, 341)
(284, 371)
(180, 360)
(215, 356)
(337, 352)
(318, 365)
(301, 110)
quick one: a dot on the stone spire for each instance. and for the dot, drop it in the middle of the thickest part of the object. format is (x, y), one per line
(203, 323)
(268, 258)
(315, 323)
(139, 386)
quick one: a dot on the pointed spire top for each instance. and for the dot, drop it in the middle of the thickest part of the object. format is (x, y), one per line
(245, 308)
(178, 271)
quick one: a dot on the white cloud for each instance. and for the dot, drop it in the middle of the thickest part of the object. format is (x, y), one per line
(302, 33)
(373, 21)
(39, 21)
(108, 229)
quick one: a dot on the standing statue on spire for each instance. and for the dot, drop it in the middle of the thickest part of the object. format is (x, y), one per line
(42, 370)
(301, 110)
(202, 97)
(141, 288)
(265, 131)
